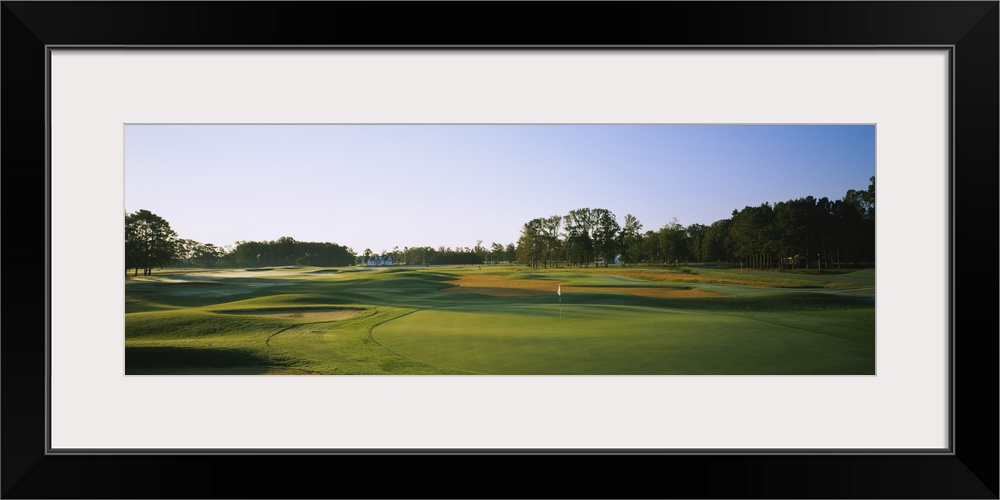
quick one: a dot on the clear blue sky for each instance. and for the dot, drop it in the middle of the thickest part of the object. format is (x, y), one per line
(380, 186)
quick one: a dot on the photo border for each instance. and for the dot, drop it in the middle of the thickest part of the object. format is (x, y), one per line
(89, 88)
(29, 28)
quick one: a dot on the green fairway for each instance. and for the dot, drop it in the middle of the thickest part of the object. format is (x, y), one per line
(463, 320)
(610, 340)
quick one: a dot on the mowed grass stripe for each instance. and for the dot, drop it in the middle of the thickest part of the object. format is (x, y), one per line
(612, 340)
(348, 348)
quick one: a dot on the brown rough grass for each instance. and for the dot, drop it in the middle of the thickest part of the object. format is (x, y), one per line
(500, 286)
(678, 277)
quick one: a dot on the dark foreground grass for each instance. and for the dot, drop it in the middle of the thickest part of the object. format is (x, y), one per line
(192, 361)
(188, 324)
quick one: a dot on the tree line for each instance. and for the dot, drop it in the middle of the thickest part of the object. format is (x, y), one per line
(798, 233)
(150, 243)
(803, 232)
(286, 251)
(425, 255)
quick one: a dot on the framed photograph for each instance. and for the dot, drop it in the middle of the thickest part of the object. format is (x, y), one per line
(293, 150)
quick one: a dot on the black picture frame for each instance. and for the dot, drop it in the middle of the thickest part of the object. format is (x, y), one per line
(969, 28)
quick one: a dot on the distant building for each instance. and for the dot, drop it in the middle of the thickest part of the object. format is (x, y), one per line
(379, 260)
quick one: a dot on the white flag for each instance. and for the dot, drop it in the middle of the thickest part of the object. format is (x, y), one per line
(559, 290)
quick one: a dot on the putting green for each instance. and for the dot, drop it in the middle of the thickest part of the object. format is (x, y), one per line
(617, 340)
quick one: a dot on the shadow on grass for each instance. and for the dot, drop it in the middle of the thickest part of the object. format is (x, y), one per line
(191, 361)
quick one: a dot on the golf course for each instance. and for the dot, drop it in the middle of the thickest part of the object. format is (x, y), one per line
(500, 320)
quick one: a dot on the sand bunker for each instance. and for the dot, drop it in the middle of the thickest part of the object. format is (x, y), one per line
(303, 314)
(500, 286)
